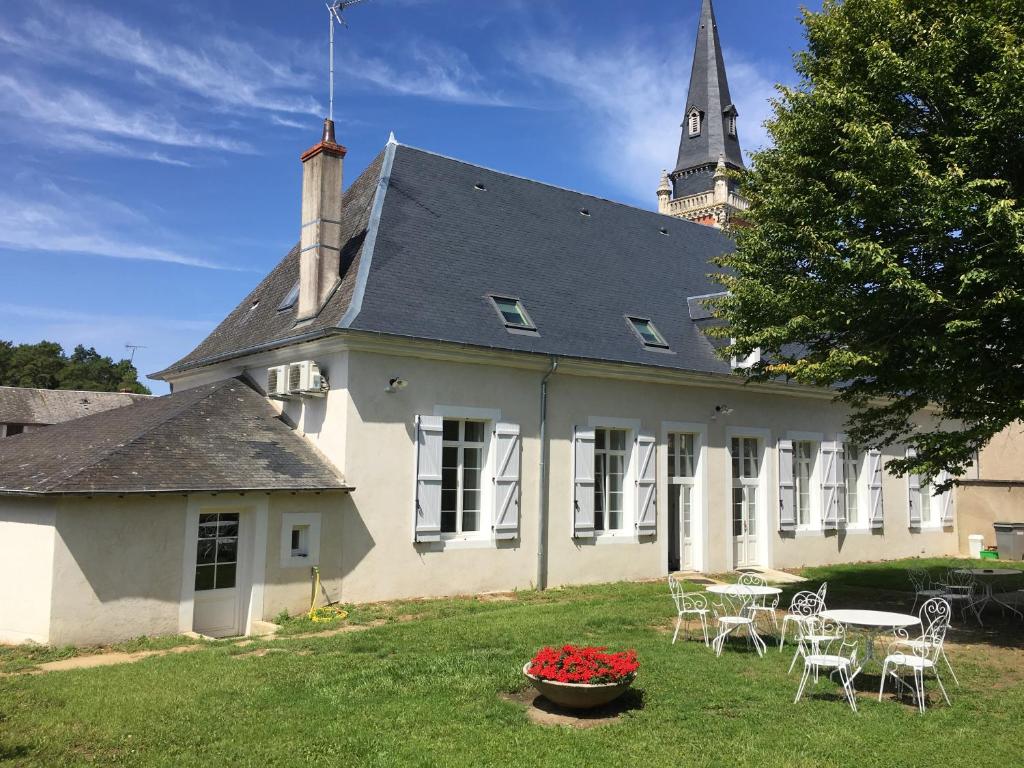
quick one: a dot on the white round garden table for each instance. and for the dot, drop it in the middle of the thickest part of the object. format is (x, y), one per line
(986, 576)
(871, 623)
(743, 590)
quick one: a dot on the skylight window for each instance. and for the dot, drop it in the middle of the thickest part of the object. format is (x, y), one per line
(648, 334)
(512, 313)
(289, 301)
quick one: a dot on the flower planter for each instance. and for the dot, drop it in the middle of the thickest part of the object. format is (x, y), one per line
(578, 695)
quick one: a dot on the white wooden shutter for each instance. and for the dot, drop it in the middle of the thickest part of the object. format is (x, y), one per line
(787, 501)
(506, 481)
(583, 483)
(646, 486)
(831, 487)
(914, 494)
(876, 507)
(428, 478)
(946, 501)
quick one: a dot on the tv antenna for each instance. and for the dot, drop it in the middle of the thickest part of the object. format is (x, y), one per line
(131, 350)
(335, 11)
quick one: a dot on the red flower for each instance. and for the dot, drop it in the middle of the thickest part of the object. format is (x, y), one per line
(575, 664)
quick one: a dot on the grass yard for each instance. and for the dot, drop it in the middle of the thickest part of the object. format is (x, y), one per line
(420, 686)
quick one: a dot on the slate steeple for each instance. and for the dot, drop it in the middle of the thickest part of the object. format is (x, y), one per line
(710, 141)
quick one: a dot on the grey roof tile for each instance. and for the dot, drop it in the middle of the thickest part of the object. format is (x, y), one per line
(24, 405)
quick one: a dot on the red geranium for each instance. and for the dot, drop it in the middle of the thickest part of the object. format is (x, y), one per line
(574, 664)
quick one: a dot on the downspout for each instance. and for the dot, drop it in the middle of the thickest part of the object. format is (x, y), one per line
(542, 505)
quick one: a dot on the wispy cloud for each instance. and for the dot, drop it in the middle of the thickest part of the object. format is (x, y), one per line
(630, 96)
(57, 222)
(62, 315)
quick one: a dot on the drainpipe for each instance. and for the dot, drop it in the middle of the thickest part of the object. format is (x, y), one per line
(542, 505)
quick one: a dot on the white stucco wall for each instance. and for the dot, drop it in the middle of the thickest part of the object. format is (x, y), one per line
(27, 532)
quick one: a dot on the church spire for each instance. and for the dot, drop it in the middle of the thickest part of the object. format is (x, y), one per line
(709, 125)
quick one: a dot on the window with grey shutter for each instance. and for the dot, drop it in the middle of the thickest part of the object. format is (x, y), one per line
(506, 481)
(876, 508)
(646, 486)
(832, 489)
(913, 494)
(583, 483)
(787, 488)
(428, 478)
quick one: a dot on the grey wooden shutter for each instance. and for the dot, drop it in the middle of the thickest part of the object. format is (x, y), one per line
(428, 478)
(946, 501)
(876, 507)
(506, 481)
(583, 483)
(913, 494)
(831, 487)
(646, 486)
(787, 501)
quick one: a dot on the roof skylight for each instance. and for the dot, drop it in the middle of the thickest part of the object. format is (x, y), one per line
(289, 300)
(513, 313)
(648, 334)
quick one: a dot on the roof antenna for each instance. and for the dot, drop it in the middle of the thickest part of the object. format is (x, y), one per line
(133, 348)
(335, 10)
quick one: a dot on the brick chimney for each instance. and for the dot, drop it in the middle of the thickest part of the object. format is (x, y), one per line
(320, 242)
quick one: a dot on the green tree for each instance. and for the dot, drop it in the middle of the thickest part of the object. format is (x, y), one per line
(885, 252)
(45, 366)
(35, 365)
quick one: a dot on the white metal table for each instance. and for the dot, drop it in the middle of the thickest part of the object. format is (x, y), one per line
(986, 576)
(871, 623)
(748, 593)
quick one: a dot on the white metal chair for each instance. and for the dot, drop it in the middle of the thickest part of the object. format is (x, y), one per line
(923, 586)
(919, 658)
(731, 616)
(760, 605)
(688, 606)
(959, 588)
(829, 652)
(802, 607)
(932, 610)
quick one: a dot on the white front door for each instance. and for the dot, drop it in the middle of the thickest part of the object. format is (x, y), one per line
(745, 513)
(217, 610)
(682, 475)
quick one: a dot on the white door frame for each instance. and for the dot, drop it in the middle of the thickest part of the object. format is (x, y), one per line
(767, 456)
(253, 514)
(699, 521)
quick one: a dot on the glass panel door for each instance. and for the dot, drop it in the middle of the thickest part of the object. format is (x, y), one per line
(682, 478)
(745, 513)
(217, 600)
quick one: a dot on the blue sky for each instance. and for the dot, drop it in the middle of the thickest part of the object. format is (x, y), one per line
(149, 172)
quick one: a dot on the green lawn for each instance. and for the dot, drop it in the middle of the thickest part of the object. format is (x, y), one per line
(423, 689)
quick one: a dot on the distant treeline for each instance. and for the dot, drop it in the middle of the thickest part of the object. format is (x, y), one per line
(45, 366)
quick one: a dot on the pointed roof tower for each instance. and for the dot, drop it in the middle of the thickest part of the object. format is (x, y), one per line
(713, 134)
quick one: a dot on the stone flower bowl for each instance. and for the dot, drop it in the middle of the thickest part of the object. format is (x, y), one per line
(577, 695)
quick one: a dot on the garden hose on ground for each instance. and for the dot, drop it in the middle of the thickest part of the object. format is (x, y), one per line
(326, 612)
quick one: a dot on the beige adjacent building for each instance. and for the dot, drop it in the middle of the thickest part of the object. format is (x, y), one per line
(993, 492)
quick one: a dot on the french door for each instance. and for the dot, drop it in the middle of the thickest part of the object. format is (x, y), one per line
(217, 610)
(746, 453)
(682, 496)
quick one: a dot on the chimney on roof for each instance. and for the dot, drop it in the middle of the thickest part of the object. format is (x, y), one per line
(320, 241)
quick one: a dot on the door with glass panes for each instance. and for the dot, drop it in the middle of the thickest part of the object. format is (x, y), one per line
(217, 607)
(682, 474)
(746, 460)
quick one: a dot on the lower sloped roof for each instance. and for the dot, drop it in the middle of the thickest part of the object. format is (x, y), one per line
(218, 437)
(25, 405)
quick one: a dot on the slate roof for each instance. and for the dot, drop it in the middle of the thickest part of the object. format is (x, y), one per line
(217, 437)
(436, 245)
(23, 405)
(709, 92)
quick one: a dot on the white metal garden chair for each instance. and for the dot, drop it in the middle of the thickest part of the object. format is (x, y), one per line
(731, 616)
(919, 658)
(924, 589)
(760, 606)
(932, 610)
(829, 652)
(960, 588)
(689, 606)
(802, 607)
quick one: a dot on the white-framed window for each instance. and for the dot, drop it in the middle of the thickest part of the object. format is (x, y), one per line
(853, 463)
(463, 446)
(611, 446)
(804, 453)
(300, 539)
(693, 120)
(927, 499)
(682, 477)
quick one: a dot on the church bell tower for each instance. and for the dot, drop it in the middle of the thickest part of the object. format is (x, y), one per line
(699, 189)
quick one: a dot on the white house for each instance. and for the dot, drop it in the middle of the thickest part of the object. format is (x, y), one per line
(459, 381)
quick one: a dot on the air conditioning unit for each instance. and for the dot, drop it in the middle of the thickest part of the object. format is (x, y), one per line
(277, 381)
(304, 379)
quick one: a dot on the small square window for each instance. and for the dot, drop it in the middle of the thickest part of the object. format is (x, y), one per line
(300, 541)
(512, 313)
(648, 334)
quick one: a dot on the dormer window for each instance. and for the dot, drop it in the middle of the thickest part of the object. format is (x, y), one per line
(730, 123)
(512, 313)
(649, 335)
(693, 119)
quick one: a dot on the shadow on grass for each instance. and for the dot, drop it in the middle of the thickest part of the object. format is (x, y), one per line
(631, 700)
